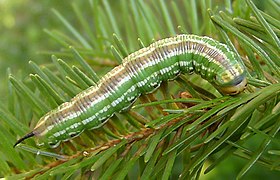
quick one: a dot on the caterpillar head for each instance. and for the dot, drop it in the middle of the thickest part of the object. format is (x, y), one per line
(231, 81)
(235, 87)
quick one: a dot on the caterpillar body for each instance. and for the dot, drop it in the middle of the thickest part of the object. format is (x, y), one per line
(140, 73)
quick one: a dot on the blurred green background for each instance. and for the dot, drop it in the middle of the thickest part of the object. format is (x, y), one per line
(22, 35)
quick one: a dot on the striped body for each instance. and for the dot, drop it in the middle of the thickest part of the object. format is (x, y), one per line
(140, 73)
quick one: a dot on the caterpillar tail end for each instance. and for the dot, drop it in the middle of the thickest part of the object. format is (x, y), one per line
(24, 137)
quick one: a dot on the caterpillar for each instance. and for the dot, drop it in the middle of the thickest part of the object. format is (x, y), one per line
(140, 73)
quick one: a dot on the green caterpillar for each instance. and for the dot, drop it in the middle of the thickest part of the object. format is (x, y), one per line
(140, 73)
